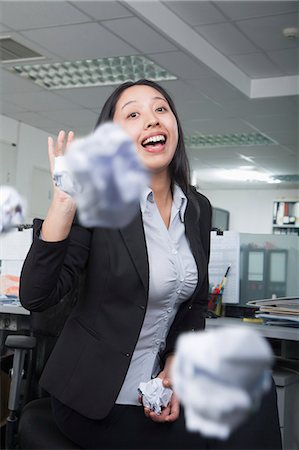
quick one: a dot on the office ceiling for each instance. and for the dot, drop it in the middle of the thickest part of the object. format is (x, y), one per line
(236, 73)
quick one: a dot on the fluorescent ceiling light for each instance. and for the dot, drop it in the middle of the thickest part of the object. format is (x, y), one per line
(227, 140)
(93, 72)
(247, 176)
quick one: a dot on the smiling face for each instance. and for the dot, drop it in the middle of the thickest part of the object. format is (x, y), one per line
(144, 113)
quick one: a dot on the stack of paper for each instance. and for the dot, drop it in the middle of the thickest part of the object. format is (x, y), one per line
(278, 311)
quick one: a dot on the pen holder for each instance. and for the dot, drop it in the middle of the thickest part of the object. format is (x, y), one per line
(215, 303)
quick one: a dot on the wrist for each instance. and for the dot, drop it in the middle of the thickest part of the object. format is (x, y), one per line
(59, 220)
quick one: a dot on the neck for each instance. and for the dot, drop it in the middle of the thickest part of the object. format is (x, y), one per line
(161, 186)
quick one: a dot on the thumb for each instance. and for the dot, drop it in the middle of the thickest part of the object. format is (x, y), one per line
(167, 382)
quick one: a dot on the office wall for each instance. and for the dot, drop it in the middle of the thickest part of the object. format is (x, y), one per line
(250, 210)
(32, 160)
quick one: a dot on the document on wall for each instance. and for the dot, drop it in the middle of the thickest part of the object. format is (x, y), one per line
(225, 253)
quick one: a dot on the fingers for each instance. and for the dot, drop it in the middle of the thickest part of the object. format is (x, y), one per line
(168, 414)
(70, 138)
(60, 143)
(63, 141)
(58, 148)
(174, 410)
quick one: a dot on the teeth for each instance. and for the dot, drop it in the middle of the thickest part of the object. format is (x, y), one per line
(160, 137)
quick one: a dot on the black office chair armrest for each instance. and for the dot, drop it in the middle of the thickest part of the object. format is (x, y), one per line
(20, 342)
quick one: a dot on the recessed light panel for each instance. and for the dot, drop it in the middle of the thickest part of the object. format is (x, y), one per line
(292, 178)
(227, 140)
(93, 72)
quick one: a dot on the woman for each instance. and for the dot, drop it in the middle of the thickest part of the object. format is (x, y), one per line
(144, 285)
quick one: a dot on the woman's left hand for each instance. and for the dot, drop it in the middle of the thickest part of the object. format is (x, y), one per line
(172, 410)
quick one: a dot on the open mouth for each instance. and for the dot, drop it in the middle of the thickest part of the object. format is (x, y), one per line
(153, 141)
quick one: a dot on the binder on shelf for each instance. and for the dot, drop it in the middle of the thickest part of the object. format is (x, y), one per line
(285, 218)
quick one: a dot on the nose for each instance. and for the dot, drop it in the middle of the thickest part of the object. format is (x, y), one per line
(151, 121)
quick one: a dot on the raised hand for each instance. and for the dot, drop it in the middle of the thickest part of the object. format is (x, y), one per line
(55, 149)
(62, 210)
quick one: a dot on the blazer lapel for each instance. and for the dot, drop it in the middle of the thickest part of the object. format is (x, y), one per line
(134, 238)
(192, 227)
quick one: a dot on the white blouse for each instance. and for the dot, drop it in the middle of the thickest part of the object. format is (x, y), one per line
(172, 279)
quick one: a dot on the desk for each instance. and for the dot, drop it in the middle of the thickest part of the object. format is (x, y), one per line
(12, 317)
(286, 338)
(285, 345)
(269, 331)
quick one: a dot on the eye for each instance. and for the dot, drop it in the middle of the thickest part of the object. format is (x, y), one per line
(132, 115)
(161, 109)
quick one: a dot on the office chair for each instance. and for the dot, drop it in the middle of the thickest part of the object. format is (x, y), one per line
(30, 424)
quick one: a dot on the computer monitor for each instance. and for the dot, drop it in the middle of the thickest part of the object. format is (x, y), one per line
(220, 219)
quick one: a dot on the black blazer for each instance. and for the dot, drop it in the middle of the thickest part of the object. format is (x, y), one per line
(88, 365)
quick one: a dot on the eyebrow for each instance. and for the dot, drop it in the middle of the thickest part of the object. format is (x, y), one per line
(134, 101)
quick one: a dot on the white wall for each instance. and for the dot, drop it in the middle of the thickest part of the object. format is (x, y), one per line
(31, 153)
(250, 209)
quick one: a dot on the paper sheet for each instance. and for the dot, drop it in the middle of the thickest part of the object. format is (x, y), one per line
(225, 251)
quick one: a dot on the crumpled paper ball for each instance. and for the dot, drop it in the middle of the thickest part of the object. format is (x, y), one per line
(63, 178)
(154, 395)
(12, 208)
(220, 377)
(105, 176)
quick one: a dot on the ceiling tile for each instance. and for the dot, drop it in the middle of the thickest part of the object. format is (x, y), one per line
(260, 107)
(13, 83)
(39, 101)
(266, 32)
(196, 111)
(196, 13)
(224, 126)
(9, 108)
(25, 15)
(279, 123)
(249, 9)
(226, 38)
(257, 65)
(148, 40)
(81, 131)
(38, 120)
(283, 164)
(74, 118)
(91, 97)
(286, 139)
(216, 89)
(102, 10)
(78, 41)
(256, 152)
(3, 28)
(181, 65)
(287, 60)
(181, 91)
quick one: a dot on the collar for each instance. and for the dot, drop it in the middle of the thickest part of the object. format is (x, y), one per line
(179, 200)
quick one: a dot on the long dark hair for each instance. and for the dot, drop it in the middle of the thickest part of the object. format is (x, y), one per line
(179, 166)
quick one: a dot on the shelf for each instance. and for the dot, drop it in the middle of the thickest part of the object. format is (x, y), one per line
(286, 226)
(285, 218)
